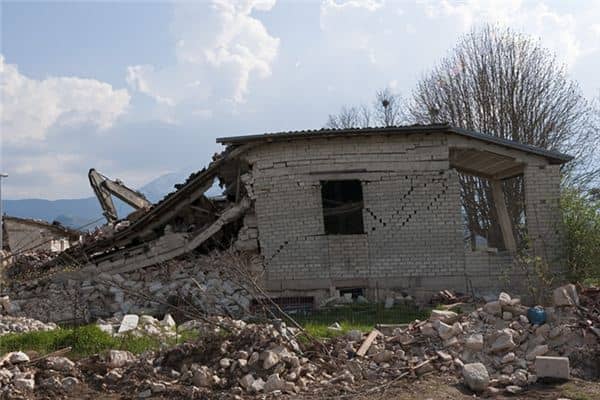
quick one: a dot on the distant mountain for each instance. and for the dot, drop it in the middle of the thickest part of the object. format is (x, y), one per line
(156, 189)
(76, 213)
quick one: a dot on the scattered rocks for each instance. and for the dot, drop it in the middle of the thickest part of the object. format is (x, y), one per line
(13, 324)
(492, 353)
(62, 364)
(444, 316)
(118, 358)
(24, 384)
(476, 376)
(504, 341)
(493, 308)
(537, 351)
(474, 342)
(18, 357)
(565, 296)
(198, 280)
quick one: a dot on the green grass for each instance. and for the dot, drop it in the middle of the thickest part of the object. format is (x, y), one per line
(361, 317)
(84, 341)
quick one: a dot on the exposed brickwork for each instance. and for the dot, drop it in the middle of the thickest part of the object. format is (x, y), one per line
(413, 237)
(411, 210)
(542, 196)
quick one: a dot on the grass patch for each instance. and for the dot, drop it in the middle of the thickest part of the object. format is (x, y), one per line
(363, 317)
(84, 341)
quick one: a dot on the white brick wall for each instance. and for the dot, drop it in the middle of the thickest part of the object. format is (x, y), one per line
(413, 226)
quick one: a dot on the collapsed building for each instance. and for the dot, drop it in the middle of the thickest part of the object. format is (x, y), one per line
(367, 211)
(26, 234)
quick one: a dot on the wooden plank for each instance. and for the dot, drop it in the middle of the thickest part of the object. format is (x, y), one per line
(503, 217)
(368, 342)
(510, 172)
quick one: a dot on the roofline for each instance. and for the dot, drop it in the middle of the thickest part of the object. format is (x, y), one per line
(556, 156)
(49, 225)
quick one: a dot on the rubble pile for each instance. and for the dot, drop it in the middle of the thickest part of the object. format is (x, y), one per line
(12, 324)
(191, 282)
(28, 262)
(142, 325)
(232, 356)
(493, 348)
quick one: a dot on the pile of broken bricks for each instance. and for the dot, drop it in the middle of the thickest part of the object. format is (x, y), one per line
(195, 283)
(493, 349)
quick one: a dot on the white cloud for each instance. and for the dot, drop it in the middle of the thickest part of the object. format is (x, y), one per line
(219, 48)
(570, 34)
(30, 107)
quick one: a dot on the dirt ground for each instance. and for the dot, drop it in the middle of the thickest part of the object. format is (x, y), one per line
(432, 387)
(436, 388)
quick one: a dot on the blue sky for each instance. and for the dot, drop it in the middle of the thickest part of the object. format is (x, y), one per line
(139, 89)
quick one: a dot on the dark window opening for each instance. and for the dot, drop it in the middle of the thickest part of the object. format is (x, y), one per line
(355, 292)
(342, 207)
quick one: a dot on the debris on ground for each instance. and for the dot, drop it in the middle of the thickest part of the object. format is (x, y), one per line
(14, 324)
(492, 349)
(195, 281)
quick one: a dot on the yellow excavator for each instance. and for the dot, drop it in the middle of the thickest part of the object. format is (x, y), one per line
(105, 187)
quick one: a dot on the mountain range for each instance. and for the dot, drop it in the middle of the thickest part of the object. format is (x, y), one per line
(77, 213)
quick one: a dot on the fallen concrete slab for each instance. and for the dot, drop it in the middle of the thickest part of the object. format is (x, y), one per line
(552, 367)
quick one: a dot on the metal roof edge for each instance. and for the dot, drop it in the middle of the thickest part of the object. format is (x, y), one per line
(433, 128)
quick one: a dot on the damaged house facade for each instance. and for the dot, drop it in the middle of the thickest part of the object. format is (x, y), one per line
(23, 234)
(369, 211)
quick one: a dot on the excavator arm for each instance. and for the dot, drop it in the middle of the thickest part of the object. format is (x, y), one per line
(104, 187)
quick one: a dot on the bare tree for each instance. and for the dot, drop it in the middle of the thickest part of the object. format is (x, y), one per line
(387, 110)
(504, 83)
(350, 117)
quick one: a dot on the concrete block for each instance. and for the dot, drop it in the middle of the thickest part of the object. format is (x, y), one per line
(552, 367)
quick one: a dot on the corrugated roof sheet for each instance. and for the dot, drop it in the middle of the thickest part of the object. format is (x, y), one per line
(554, 156)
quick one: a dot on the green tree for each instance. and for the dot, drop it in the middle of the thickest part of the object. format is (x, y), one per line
(581, 219)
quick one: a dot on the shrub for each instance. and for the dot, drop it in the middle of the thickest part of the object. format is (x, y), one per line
(581, 218)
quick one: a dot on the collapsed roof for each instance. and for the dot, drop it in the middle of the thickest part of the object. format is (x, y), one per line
(205, 218)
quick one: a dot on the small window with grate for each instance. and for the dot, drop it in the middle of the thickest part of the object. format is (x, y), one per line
(342, 207)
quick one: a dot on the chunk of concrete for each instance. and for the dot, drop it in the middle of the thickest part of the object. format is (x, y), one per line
(118, 358)
(539, 350)
(493, 307)
(18, 357)
(129, 323)
(354, 335)
(504, 341)
(270, 359)
(552, 367)
(443, 315)
(474, 342)
(565, 296)
(168, 321)
(24, 384)
(61, 364)
(476, 377)
(274, 382)
(504, 299)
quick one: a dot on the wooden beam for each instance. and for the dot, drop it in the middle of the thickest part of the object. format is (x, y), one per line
(510, 172)
(367, 343)
(503, 217)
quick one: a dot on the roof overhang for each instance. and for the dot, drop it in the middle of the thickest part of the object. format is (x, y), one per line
(554, 157)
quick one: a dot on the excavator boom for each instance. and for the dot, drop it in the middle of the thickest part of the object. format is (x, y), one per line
(104, 187)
